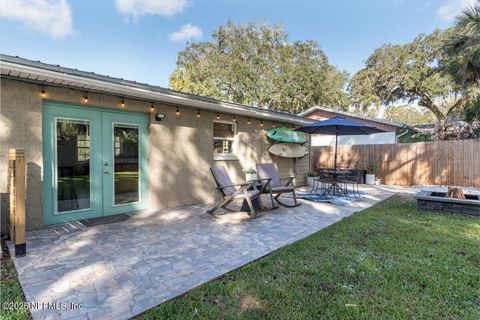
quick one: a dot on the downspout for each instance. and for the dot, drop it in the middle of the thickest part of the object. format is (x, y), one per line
(401, 134)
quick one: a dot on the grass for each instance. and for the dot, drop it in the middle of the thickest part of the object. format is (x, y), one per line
(10, 289)
(389, 261)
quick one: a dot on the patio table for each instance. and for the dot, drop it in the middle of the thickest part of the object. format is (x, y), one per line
(335, 188)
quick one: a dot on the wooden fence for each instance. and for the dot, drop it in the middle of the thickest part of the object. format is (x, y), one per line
(454, 162)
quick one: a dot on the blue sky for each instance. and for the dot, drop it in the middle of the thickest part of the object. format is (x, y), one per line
(139, 39)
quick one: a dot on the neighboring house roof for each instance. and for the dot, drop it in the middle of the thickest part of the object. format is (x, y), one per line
(312, 110)
(428, 128)
(54, 75)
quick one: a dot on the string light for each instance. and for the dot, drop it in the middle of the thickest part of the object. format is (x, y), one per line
(85, 98)
(43, 91)
(178, 112)
(198, 114)
(249, 122)
(123, 103)
(152, 108)
(218, 116)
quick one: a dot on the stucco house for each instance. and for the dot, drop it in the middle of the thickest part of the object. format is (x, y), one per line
(97, 145)
(392, 129)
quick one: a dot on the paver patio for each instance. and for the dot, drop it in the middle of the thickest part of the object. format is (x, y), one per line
(118, 270)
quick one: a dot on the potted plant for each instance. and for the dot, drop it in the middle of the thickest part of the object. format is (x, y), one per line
(372, 170)
(250, 174)
(310, 177)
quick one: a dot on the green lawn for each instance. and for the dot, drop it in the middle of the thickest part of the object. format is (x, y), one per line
(389, 262)
(10, 290)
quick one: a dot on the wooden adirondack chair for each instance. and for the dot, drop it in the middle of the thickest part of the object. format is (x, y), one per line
(270, 171)
(247, 191)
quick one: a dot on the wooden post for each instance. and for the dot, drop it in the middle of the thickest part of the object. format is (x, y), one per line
(16, 190)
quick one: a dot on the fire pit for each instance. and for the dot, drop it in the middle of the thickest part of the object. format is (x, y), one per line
(437, 201)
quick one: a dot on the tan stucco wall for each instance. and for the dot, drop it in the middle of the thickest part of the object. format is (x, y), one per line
(180, 149)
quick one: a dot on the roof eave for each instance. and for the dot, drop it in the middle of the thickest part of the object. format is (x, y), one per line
(315, 108)
(56, 78)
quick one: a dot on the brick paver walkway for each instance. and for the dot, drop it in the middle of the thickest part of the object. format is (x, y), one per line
(119, 270)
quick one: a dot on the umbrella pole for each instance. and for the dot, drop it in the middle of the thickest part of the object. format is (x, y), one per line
(335, 186)
(336, 141)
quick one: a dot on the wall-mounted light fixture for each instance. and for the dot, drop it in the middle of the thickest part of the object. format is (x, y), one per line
(85, 97)
(160, 116)
(249, 122)
(177, 113)
(152, 107)
(198, 114)
(234, 119)
(43, 91)
(218, 116)
(122, 103)
(261, 124)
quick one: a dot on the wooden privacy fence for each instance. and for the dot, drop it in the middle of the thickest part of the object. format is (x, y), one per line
(455, 162)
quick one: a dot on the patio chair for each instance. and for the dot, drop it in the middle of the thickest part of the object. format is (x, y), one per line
(246, 191)
(270, 171)
(322, 182)
(352, 178)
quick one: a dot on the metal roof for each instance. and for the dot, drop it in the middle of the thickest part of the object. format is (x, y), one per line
(350, 114)
(56, 75)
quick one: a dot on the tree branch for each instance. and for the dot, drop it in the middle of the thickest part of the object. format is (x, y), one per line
(455, 105)
(426, 102)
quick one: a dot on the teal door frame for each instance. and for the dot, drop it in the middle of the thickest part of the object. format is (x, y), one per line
(109, 120)
(101, 150)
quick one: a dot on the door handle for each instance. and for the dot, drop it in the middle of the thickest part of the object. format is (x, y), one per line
(106, 172)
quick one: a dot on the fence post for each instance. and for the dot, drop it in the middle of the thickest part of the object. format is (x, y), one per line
(16, 190)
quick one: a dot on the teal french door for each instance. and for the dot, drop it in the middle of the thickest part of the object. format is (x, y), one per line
(94, 162)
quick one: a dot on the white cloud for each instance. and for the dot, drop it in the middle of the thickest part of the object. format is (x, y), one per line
(50, 17)
(137, 8)
(450, 10)
(186, 32)
(398, 2)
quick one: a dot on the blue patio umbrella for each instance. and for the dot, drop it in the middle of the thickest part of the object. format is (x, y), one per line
(339, 126)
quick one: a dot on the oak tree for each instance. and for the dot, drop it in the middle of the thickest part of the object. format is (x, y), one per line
(256, 64)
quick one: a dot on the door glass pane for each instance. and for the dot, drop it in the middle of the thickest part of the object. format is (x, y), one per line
(73, 164)
(125, 152)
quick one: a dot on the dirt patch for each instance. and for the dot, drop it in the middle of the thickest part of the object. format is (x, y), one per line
(8, 270)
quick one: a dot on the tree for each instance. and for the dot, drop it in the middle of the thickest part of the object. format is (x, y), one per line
(455, 130)
(409, 115)
(256, 64)
(463, 48)
(409, 73)
(472, 111)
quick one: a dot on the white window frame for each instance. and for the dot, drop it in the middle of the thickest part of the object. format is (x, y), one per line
(226, 156)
